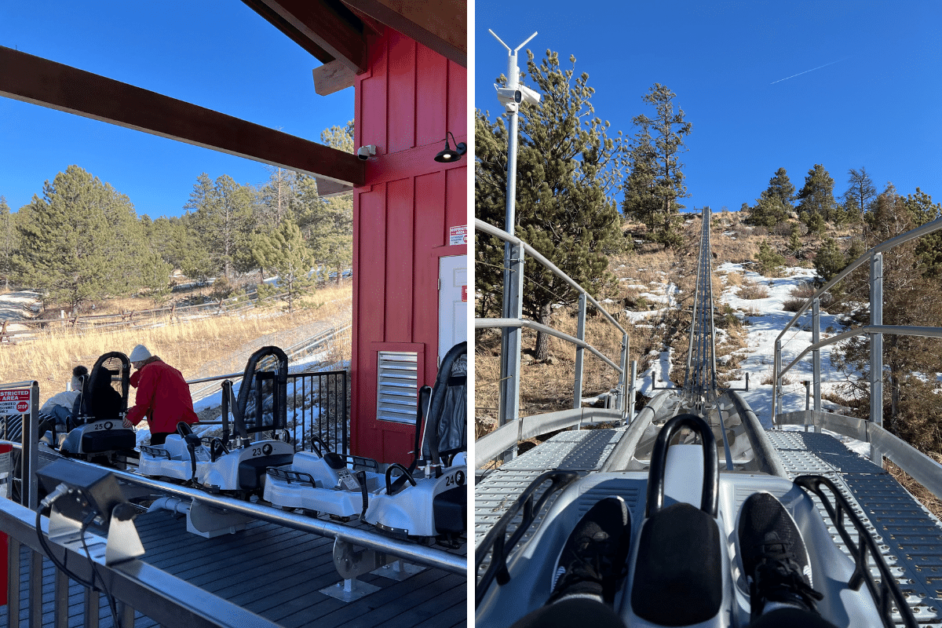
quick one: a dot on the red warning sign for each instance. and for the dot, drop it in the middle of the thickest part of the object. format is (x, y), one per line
(14, 401)
(464, 294)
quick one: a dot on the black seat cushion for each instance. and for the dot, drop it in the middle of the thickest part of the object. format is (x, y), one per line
(108, 440)
(451, 509)
(678, 574)
(252, 470)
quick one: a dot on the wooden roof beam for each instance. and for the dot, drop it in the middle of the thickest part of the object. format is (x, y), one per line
(326, 28)
(39, 81)
(441, 25)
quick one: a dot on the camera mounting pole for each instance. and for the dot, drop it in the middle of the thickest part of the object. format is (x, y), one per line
(513, 260)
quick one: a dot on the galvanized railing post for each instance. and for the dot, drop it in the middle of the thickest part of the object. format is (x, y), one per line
(632, 390)
(777, 380)
(29, 492)
(580, 334)
(623, 377)
(816, 355)
(876, 347)
(511, 340)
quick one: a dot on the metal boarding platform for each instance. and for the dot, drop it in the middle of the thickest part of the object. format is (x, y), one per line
(273, 571)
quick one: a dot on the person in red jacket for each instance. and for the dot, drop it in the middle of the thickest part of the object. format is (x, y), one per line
(163, 396)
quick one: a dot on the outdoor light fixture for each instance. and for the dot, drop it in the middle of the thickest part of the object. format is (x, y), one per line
(449, 155)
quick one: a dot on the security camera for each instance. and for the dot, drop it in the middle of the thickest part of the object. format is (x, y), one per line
(511, 98)
(365, 152)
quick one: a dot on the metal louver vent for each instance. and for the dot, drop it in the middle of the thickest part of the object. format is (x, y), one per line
(397, 386)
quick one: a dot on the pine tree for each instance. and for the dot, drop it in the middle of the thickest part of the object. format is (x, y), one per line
(815, 224)
(910, 298)
(568, 169)
(774, 204)
(781, 187)
(155, 277)
(860, 193)
(817, 195)
(929, 247)
(655, 154)
(8, 243)
(830, 260)
(769, 261)
(221, 218)
(75, 253)
(286, 253)
(794, 240)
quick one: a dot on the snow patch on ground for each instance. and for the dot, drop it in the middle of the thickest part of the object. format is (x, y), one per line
(762, 331)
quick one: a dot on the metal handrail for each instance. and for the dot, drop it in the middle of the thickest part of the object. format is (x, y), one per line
(893, 330)
(480, 225)
(875, 330)
(165, 598)
(925, 229)
(491, 323)
(364, 538)
(516, 251)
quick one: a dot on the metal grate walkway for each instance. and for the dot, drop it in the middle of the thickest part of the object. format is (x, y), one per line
(908, 536)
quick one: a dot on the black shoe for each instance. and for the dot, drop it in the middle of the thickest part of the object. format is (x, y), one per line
(593, 559)
(774, 558)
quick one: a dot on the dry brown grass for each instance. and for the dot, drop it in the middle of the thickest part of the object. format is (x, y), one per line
(733, 279)
(50, 358)
(752, 290)
(917, 490)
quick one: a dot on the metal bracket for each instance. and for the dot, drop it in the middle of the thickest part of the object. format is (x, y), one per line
(351, 562)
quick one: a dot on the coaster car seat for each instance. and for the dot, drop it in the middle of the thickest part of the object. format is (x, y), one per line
(430, 498)
(98, 429)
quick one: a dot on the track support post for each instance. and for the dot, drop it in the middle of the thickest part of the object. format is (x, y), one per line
(511, 338)
(580, 334)
(777, 381)
(876, 349)
(816, 355)
(623, 378)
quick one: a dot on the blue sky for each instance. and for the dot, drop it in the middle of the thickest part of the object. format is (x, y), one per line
(878, 106)
(214, 53)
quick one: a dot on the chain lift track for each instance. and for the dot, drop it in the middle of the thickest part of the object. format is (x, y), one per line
(700, 380)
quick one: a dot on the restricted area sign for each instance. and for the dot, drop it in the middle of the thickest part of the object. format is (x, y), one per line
(15, 401)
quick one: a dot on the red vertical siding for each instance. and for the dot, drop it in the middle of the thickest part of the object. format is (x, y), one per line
(405, 103)
(430, 115)
(430, 233)
(399, 245)
(401, 95)
(457, 97)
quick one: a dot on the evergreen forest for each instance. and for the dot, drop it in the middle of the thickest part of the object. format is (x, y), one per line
(80, 241)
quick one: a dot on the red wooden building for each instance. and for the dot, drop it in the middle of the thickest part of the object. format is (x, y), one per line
(409, 223)
(407, 62)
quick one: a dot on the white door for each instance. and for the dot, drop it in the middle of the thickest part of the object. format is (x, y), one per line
(452, 302)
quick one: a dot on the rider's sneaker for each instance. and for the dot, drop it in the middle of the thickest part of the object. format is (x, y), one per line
(774, 558)
(593, 559)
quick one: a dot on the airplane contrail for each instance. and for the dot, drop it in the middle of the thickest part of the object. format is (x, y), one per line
(811, 70)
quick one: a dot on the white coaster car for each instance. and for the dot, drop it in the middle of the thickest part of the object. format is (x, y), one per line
(323, 481)
(239, 467)
(430, 500)
(179, 458)
(99, 434)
